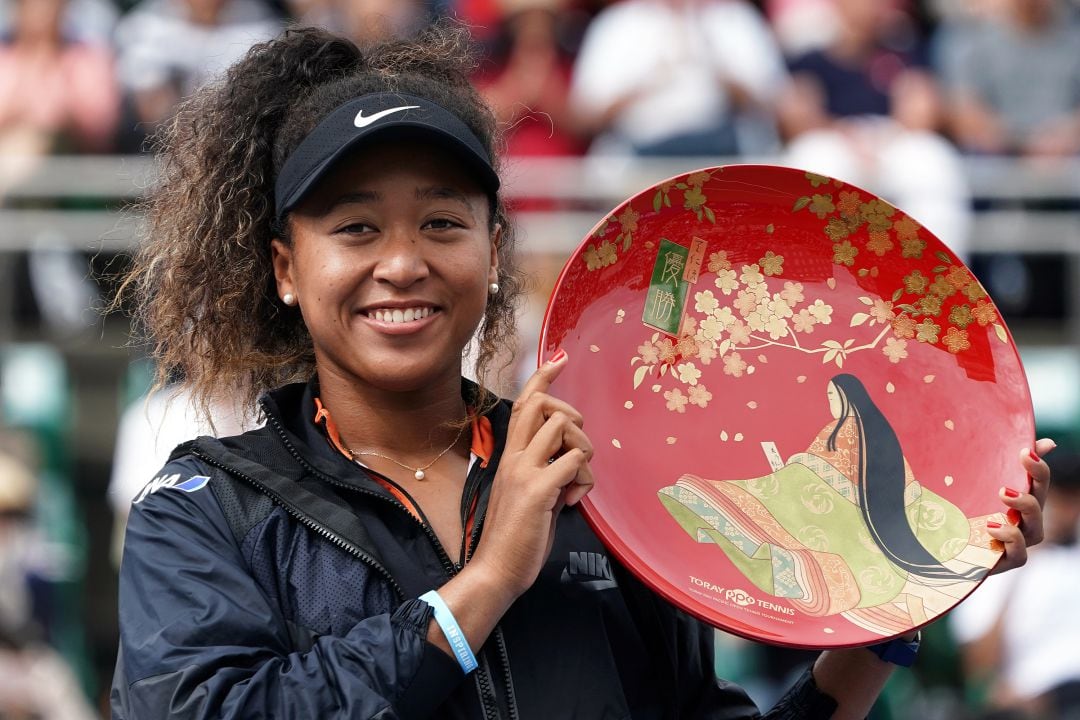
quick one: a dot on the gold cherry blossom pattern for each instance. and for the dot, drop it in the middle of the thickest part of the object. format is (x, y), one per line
(694, 198)
(600, 256)
(956, 340)
(772, 264)
(604, 251)
(751, 307)
(676, 401)
(628, 225)
(938, 308)
(944, 308)
(753, 310)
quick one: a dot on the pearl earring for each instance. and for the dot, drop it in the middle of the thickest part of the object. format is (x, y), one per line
(289, 299)
(493, 288)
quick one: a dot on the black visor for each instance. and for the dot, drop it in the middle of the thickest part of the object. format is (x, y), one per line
(376, 115)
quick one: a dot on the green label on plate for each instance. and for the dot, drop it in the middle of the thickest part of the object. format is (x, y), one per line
(667, 289)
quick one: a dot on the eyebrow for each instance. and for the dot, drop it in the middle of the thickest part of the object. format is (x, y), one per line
(367, 197)
(364, 197)
(443, 193)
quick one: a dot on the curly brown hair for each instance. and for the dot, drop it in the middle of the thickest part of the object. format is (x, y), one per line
(202, 283)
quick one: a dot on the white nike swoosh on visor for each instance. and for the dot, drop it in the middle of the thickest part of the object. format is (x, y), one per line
(362, 121)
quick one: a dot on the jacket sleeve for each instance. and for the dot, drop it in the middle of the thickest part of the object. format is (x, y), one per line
(199, 638)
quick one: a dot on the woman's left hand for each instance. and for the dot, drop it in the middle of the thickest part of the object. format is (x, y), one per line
(1025, 526)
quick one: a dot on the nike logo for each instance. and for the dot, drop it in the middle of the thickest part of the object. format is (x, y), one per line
(589, 570)
(362, 122)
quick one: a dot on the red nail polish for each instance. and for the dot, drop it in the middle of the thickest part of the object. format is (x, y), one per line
(1014, 516)
(1033, 455)
(1009, 492)
(557, 357)
(992, 524)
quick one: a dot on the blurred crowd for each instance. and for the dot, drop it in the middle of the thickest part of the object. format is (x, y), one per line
(887, 94)
(867, 85)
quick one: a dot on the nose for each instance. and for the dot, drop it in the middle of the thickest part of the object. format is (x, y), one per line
(401, 260)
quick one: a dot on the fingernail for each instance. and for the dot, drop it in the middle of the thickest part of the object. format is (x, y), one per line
(992, 524)
(1009, 492)
(1033, 455)
(1014, 516)
(558, 357)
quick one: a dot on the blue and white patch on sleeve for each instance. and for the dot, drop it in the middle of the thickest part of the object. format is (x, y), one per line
(173, 481)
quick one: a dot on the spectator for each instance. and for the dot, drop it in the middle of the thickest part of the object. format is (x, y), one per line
(1014, 80)
(1017, 631)
(55, 95)
(150, 428)
(312, 12)
(865, 109)
(364, 21)
(170, 47)
(801, 25)
(671, 77)
(527, 81)
(92, 21)
(35, 681)
(371, 21)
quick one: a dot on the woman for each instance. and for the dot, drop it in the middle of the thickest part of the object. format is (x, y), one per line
(56, 95)
(843, 528)
(332, 215)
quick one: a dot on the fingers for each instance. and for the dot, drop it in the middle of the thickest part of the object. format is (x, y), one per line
(534, 407)
(571, 451)
(531, 413)
(1025, 512)
(557, 436)
(1012, 539)
(546, 436)
(1037, 468)
(545, 375)
(579, 478)
(1025, 505)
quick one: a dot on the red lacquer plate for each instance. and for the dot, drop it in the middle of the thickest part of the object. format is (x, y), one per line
(803, 405)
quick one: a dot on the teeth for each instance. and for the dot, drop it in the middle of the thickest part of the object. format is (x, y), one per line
(397, 315)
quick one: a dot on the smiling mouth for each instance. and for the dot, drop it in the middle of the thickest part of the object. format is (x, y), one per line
(400, 315)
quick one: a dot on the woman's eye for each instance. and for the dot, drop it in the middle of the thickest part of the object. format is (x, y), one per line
(357, 228)
(441, 224)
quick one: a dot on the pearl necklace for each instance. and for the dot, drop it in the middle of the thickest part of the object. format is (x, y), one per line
(418, 472)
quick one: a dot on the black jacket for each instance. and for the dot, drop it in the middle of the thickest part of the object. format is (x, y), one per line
(265, 575)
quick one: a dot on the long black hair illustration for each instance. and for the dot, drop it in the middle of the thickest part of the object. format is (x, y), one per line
(881, 484)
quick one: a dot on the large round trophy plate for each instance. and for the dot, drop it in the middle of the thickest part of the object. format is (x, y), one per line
(803, 405)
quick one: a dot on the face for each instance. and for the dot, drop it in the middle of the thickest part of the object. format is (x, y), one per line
(390, 260)
(836, 405)
(205, 12)
(40, 19)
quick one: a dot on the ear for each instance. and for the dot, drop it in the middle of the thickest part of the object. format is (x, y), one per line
(496, 241)
(282, 257)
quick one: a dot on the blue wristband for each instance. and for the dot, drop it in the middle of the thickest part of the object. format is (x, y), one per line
(452, 631)
(898, 651)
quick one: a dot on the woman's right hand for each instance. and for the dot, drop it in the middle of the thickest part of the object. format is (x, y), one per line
(544, 467)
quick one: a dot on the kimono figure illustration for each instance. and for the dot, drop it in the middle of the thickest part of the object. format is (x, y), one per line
(843, 528)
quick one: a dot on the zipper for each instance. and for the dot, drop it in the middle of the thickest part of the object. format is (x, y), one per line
(470, 504)
(488, 698)
(508, 680)
(448, 565)
(489, 701)
(309, 523)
